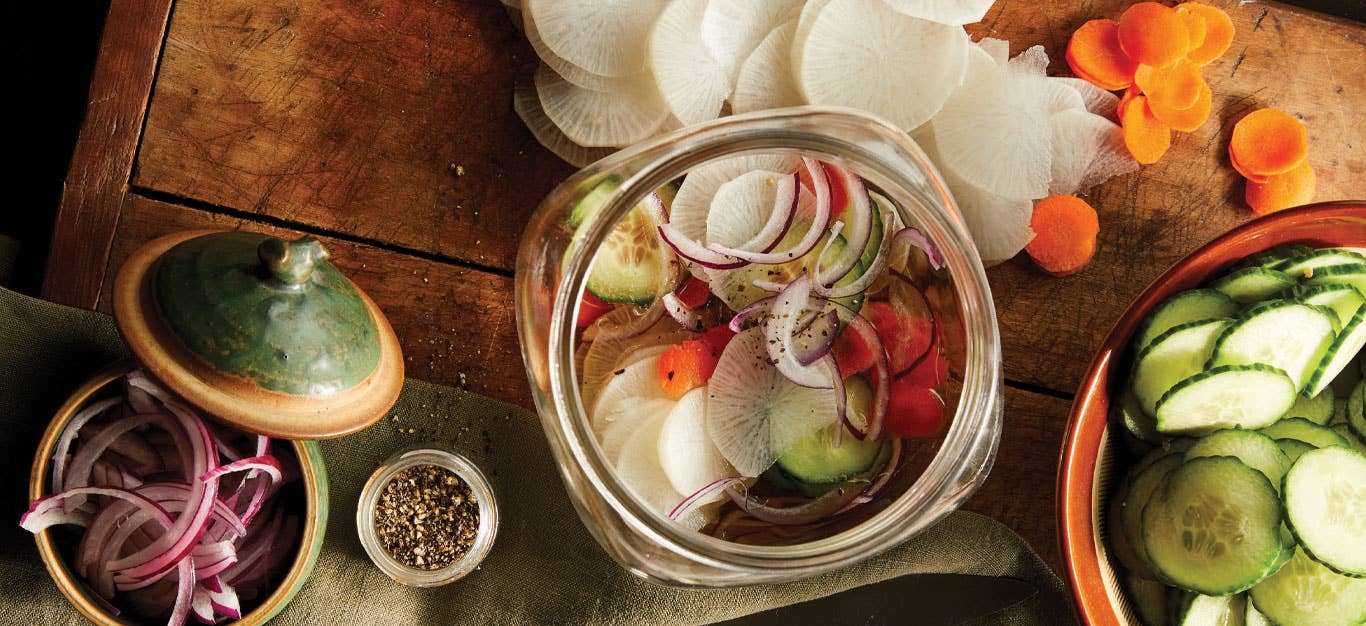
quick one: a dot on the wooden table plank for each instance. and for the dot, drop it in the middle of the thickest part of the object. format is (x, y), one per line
(103, 157)
(355, 118)
(455, 324)
(1308, 64)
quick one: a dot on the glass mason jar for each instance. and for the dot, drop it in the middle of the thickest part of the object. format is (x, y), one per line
(550, 280)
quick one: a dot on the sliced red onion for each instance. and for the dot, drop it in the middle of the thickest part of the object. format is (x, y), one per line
(703, 495)
(882, 386)
(770, 286)
(687, 318)
(918, 239)
(696, 252)
(819, 224)
(780, 220)
(812, 343)
(819, 509)
(758, 308)
(60, 452)
(223, 598)
(870, 274)
(860, 221)
(900, 306)
(785, 313)
(883, 478)
(635, 327)
(841, 397)
(84, 460)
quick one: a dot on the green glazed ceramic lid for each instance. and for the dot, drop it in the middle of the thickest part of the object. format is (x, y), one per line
(263, 333)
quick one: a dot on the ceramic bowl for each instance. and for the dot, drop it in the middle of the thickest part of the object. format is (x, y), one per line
(1091, 447)
(313, 509)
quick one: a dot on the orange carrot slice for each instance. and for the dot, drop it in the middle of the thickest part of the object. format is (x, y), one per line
(1218, 32)
(1146, 136)
(1267, 142)
(1188, 119)
(1153, 34)
(1195, 27)
(1065, 229)
(1095, 56)
(1282, 191)
(1124, 100)
(1176, 86)
(1238, 167)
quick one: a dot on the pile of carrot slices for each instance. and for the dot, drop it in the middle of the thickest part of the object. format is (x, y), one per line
(1154, 53)
(1270, 148)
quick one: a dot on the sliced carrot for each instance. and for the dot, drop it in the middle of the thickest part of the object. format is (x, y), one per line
(1218, 32)
(1129, 95)
(1242, 171)
(1153, 34)
(1095, 56)
(1065, 229)
(1176, 86)
(1267, 142)
(687, 366)
(1282, 191)
(1188, 119)
(1146, 136)
(1195, 27)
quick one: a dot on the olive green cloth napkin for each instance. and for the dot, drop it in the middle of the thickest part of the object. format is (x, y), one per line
(544, 568)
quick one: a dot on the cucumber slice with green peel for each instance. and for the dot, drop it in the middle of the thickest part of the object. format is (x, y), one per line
(1356, 409)
(589, 204)
(1213, 527)
(1306, 431)
(1149, 599)
(1253, 617)
(1253, 284)
(1254, 449)
(1117, 539)
(1344, 300)
(1309, 264)
(1353, 440)
(875, 237)
(1141, 489)
(1172, 357)
(1202, 610)
(1325, 506)
(1138, 422)
(1246, 396)
(631, 263)
(1318, 409)
(1187, 306)
(1274, 257)
(1340, 355)
(1293, 448)
(814, 459)
(1290, 336)
(1308, 593)
(1177, 446)
(1354, 275)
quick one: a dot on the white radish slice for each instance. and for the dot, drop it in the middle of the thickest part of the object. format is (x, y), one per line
(864, 55)
(805, 21)
(999, 49)
(605, 37)
(693, 83)
(689, 458)
(638, 467)
(527, 105)
(994, 131)
(999, 226)
(693, 203)
(1111, 159)
(953, 12)
(565, 69)
(1061, 97)
(627, 112)
(742, 207)
(1095, 99)
(731, 29)
(606, 356)
(615, 435)
(755, 413)
(1079, 138)
(622, 395)
(1032, 62)
(766, 80)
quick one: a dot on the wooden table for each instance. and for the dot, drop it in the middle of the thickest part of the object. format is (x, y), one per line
(385, 127)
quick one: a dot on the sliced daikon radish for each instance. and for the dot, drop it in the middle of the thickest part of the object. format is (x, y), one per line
(955, 12)
(805, 21)
(1032, 62)
(604, 357)
(999, 226)
(614, 435)
(993, 132)
(755, 413)
(766, 80)
(639, 468)
(565, 69)
(1061, 97)
(693, 202)
(999, 49)
(629, 111)
(862, 54)
(1078, 138)
(528, 107)
(1112, 159)
(732, 29)
(1097, 100)
(621, 396)
(741, 207)
(605, 37)
(686, 452)
(693, 83)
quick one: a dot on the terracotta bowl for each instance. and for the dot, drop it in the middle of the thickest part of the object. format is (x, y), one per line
(313, 509)
(1091, 448)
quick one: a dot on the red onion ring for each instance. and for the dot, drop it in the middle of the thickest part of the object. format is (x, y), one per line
(828, 504)
(860, 229)
(786, 311)
(692, 502)
(687, 318)
(819, 224)
(882, 394)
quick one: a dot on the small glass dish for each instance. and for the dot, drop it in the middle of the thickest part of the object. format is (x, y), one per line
(462, 468)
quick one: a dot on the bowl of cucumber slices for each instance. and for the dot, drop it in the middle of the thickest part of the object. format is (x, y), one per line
(1214, 470)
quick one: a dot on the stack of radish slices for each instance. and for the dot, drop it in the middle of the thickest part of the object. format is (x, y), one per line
(616, 72)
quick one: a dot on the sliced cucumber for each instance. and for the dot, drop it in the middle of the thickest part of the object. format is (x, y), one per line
(1177, 446)
(1354, 275)
(1213, 527)
(1325, 505)
(1309, 264)
(815, 459)
(1202, 610)
(630, 264)
(1284, 334)
(1293, 448)
(1172, 357)
(1356, 409)
(875, 236)
(1149, 599)
(1188, 306)
(1118, 540)
(1138, 422)
(1353, 441)
(1307, 593)
(1340, 354)
(736, 287)
(1318, 409)
(1247, 396)
(1306, 431)
(1253, 617)
(588, 205)
(1344, 300)
(1254, 449)
(1141, 489)
(1275, 257)
(1253, 284)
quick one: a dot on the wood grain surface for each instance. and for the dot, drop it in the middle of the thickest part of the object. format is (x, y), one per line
(105, 149)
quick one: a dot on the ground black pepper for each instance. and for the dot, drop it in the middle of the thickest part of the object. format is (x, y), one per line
(426, 517)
